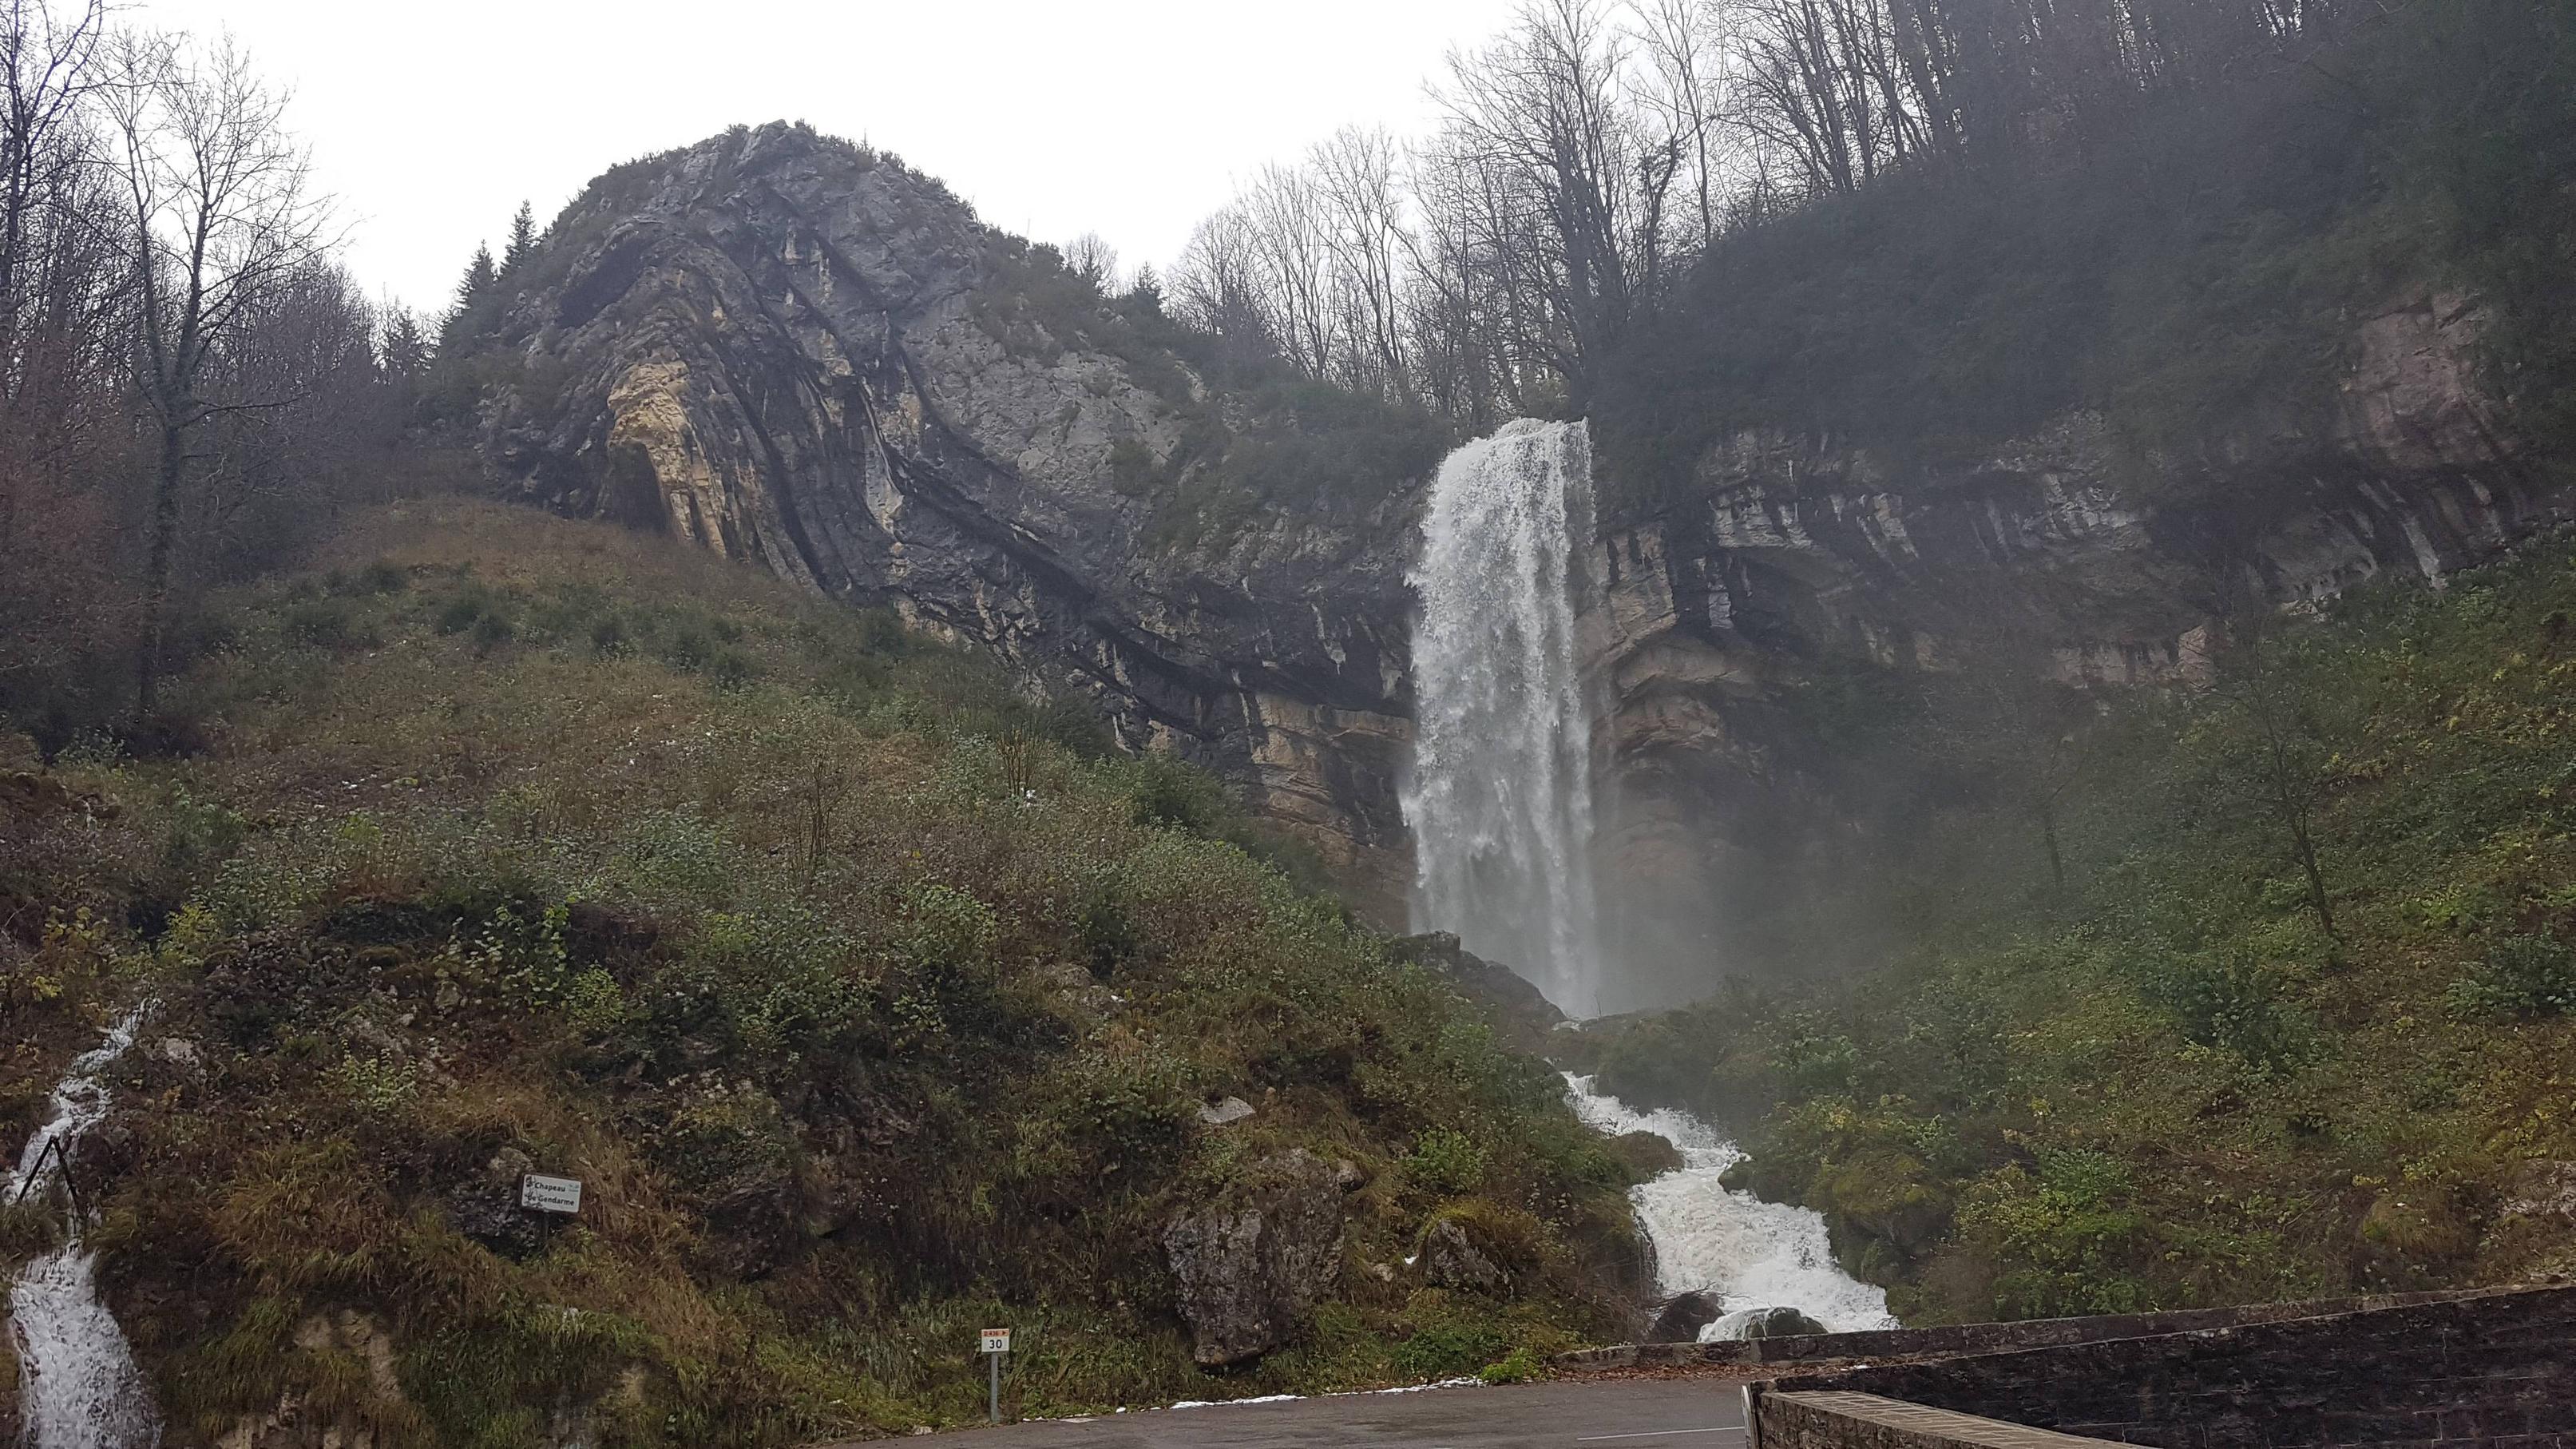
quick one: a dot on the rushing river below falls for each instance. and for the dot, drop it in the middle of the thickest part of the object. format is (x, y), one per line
(1708, 1238)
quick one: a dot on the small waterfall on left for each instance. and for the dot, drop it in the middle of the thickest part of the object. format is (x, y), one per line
(78, 1387)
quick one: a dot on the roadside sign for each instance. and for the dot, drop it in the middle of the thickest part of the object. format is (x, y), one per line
(997, 1342)
(539, 1193)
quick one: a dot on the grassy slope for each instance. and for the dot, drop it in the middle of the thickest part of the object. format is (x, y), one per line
(2169, 1086)
(867, 1011)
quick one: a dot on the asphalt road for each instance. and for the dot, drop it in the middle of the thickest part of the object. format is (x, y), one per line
(1629, 1414)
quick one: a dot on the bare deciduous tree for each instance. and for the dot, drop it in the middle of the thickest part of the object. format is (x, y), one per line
(222, 215)
(1357, 175)
(59, 317)
(1548, 109)
(1216, 284)
(1684, 85)
(1091, 258)
(1596, 144)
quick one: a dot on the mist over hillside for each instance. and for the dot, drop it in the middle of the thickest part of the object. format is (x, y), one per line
(2014, 662)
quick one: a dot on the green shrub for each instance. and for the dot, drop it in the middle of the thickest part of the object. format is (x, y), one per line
(1168, 791)
(375, 1085)
(688, 649)
(1445, 1161)
(1132, 470)
(1520, 1366)
(1106, 930)
(2525, 976)
(1449, 1349)
(2232, 1006)
(732, 669)
(329, 623)
(461, 613)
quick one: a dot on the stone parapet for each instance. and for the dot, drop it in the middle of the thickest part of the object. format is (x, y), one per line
(1844, 1420)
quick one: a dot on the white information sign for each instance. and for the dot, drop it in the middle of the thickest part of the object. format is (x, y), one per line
(997, 1340)
(539, 1193)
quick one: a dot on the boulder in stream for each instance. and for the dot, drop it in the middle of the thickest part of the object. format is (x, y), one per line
(1682, 1316)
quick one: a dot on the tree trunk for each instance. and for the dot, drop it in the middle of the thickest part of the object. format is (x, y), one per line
(2056, 855)
(159, 560)
(2316, 878)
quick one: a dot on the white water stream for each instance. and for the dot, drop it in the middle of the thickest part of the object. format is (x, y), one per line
(1749, 1253)
(1499, 799)
(1500, 793)
(78, 1387)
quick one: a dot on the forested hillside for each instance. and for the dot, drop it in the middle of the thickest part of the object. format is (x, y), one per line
(1930, 222)
(2191, 266)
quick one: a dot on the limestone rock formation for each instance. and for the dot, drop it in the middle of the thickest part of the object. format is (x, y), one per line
(1788, 553)
(1452, 1259)
(801, 354)
(1249, 1267)
(1225, 1113)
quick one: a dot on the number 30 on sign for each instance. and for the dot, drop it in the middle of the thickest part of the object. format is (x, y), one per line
(997, 1340)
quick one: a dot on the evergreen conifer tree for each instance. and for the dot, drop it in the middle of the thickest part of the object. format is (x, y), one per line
(406, 345)
(482, 279)
(523, 238)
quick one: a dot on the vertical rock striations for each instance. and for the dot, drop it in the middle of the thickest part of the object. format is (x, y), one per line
(1789, 555)
(797, 353)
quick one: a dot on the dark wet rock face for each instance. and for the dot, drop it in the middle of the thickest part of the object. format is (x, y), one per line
(1248, 1268)
(1791, 556)
(1518, 1013)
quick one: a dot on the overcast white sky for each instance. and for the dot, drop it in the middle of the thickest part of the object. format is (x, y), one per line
(431, 121)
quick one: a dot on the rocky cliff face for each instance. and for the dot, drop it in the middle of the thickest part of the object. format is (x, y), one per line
(805, 356)
(1795, 551)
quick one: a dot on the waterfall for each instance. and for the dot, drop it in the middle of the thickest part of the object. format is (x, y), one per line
(1708, 1239)
(1499, 797)
(78, 1385)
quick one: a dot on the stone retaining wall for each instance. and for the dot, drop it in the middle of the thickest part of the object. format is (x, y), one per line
(1981, 1338)
(1866, 1421)
(2495, 1369)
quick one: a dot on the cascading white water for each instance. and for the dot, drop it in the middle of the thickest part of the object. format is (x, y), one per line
(78, 1385)
(1500, 794)
(1749, 1253)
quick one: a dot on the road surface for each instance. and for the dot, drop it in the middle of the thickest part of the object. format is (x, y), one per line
(1685, 1413)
